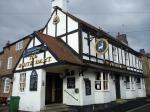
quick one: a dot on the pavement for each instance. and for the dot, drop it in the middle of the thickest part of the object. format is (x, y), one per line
(3, 108)
(136, 105)
(129, 106)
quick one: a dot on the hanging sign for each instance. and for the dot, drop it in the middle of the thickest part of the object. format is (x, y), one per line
(101, 46)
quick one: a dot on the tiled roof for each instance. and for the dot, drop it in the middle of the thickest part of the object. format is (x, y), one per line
(60, 49)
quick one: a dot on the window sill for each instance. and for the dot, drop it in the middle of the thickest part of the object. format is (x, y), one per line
(102, 90)
(5, 92)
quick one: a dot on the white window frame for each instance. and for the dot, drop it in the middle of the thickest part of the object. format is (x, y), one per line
(114, 53)
(10, 63)
(126, 54)
(133, 83)
(22, 82)
(7, 85)
(0, 63)
(19, 45)
(149, 63)
(102, 80)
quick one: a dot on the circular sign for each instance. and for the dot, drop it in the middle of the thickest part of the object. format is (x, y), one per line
(101, 46)
(56, 19)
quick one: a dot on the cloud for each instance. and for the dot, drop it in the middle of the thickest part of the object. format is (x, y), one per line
(20, 18)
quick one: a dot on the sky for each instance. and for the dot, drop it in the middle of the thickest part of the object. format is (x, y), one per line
(19, 18)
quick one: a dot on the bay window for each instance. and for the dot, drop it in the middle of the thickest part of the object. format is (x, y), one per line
(102, 82)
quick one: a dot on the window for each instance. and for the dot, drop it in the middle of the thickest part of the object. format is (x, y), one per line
(9, 63)
(98, 82)
(7, 85)
(127, 82)
(71, 82)
(114, 51)
(105, 81)
(0, 63)
(136, 61)
(22, 82)
(132, 83)
(138, 83)
(126, 58)
(19, 45)
(101, 82)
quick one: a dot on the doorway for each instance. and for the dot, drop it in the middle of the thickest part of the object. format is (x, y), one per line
(117, 84)
(54, 88)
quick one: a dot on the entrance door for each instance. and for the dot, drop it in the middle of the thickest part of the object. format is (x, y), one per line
(117, 81)
(54, 85)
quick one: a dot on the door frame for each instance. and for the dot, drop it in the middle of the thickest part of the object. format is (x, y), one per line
(53, 90)
(117, 86)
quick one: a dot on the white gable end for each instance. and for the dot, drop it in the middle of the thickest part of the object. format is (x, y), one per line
(66, 29)
(35, 55)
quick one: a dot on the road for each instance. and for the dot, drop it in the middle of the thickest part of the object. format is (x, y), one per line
(144, 108)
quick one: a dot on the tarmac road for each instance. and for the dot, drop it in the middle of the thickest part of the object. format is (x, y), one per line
(144, 108)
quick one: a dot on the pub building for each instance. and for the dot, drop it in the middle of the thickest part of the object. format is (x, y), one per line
(73, 63)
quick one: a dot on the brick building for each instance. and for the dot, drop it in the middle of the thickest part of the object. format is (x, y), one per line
(146, 70)
(8, 59)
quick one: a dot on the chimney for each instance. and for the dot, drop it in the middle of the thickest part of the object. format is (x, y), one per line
(122, 38)
(142, 51)
(8, 43)
(60, 3)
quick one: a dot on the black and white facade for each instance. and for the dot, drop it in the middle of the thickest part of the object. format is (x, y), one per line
(45, 74)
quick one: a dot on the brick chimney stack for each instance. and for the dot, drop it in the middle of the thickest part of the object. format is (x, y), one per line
(122, 38)
(60, 3)
(142, 51)
(8, 43)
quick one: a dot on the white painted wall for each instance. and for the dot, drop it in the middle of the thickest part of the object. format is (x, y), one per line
(131, 93)
(30, 100)
(96, 97)
(73, 41)
(67, 99)
(39, 57)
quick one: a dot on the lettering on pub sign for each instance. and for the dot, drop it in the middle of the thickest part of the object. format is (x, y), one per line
(33, 59)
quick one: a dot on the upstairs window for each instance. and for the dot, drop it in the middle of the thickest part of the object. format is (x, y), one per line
(9, 63)
(126, 58)
(19, 45)
(22, 82)
(7, 85)
(0, 63)
(136, 61)
(114, 52)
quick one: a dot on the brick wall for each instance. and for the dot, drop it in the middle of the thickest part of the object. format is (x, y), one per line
(146, 69)
(10, 52)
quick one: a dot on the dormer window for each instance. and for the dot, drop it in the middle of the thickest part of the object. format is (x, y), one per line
(19, 45)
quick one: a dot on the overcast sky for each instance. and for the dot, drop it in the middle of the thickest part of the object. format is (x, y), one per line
(19, 18)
